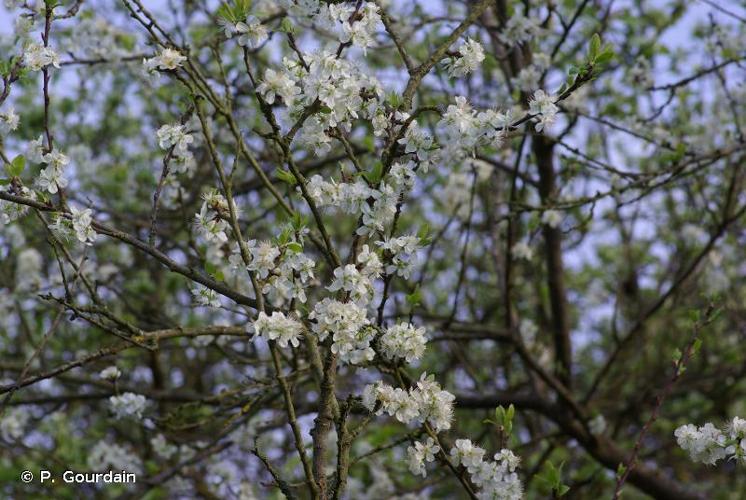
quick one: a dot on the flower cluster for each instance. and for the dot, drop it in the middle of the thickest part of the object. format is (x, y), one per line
(204, 296)
(346, 322)
(209, 220)
(519, 29)
(708, 444)
(162, 447)
(128, 405)
(496, 479)
(79, 226)
(278, 327)
(50, 178)
(175, 136)
(37, 56)
(110, 373)
(543, 108)
(82, 225)
(108, 456)
(13, 424)
(425, 402)
(252, 33)
(10, 211)
(344, 91)
(470, 56)
(551, 218)
(522, 250)
(278, 84)
(286, 271)
(400, 253)
(529, 78)
(462, 129)
(352, 281)
(168, 59)
(341, 19)
(421, 453)
(404, 341)
(418, 142)
(347, 196)
(9, 121)
(378, 206)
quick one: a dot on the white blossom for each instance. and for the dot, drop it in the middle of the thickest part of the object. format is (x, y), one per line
(278, 84)
(51, 178)
(552, 218)
(542, 106)
(204, 296)
(252, 33)
(263, 256)
(35, 150)
(176, 136)
(421, 453)
(278, 327)
(9, 121)
(110, 373)
(471, 55)
(13, 423)
(37, 56)
(361, 31)
(370, 262)
(381, 212)
(162, 447)
(425, 402)
(313, 136)
(108, 456)
(522, 250)
(128, 405)
(418, 141)
(465, 453)
(82, 225)
(519, 29)
(349, 279)
(404, 341)
(168, 59)
(708, 444)
(400, 253)
(597, 425)
(209, 222)
(346, 322)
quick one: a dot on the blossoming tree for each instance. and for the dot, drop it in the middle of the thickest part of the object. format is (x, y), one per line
(373, 249)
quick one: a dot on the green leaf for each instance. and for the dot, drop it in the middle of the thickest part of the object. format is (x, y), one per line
(605, 56)
(237, 11)
(286, 176)
(294, 246)
(284, 236)
(424, 235)
(210, 268)
(375, 175)
(697, 344)
(676, 355)
(16, 166)
(415, 298)
(393, 98)
(298, 222)
(286, 26)
(621, 469)
(594, 48)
